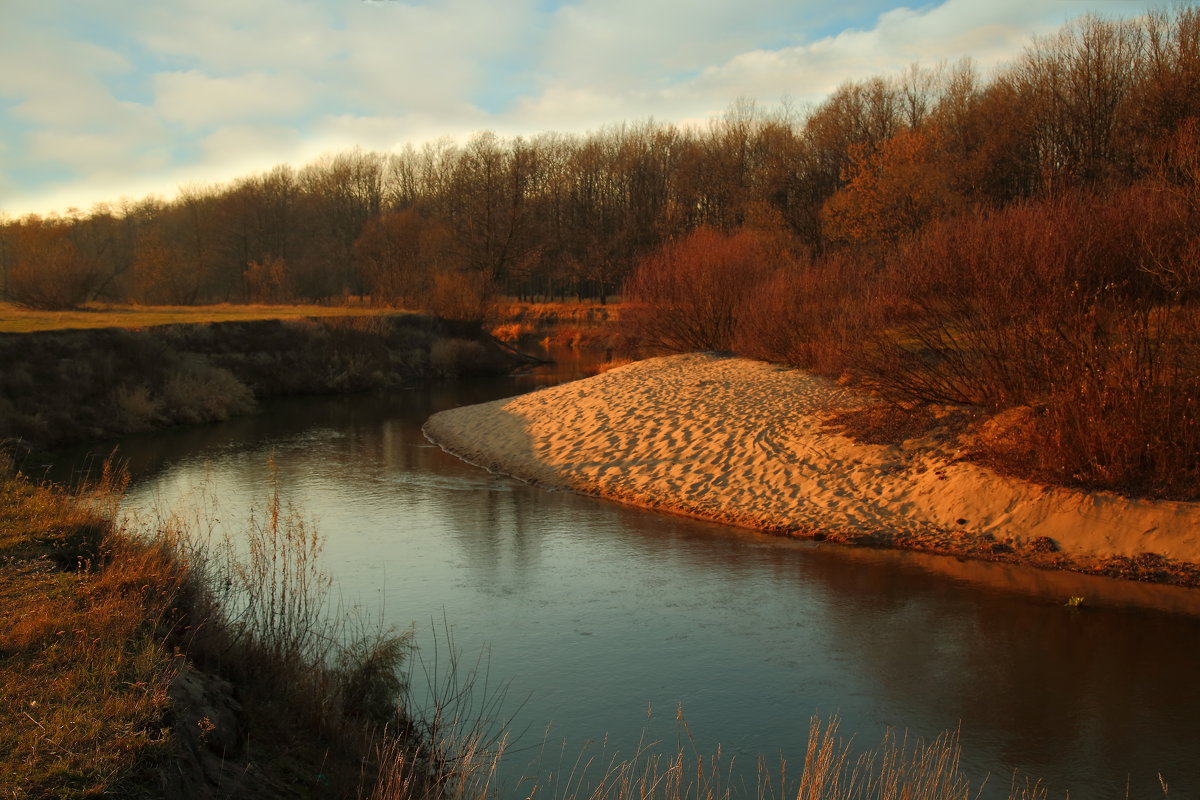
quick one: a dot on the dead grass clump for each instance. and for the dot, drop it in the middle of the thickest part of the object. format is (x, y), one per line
(575, 325)
(1007, 439)
(513, 332)
(584, 337)
(196, 391)
(451, 358)
(137, 407)
(546, 315)
(315, 685)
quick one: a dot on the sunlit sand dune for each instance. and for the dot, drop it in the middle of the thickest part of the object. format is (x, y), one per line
(742, 441)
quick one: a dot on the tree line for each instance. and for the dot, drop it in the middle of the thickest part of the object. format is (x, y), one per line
(556, 215)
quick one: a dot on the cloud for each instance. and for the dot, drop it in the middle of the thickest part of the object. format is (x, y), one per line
(232, 37)
(392, 133)
(67, 89)
(197, 100)
(571, 108)
(130, 150)
(401, 58)
(806, 72)
(610, 43)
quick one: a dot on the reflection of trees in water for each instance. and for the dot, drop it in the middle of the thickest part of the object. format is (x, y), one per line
(491, 524)
(369, 422)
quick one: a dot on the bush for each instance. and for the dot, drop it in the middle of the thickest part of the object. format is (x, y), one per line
(196, 391)
(688, 295)
(49, 271)
(461, 296)
(451, 358)
(1125, 412)
(812, 315)
(1064, 307)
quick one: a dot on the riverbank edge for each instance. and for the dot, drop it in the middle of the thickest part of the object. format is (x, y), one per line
(457, 431)
(66, 386)
(134, 683)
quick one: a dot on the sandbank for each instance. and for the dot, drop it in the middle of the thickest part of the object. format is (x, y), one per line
(744, 442)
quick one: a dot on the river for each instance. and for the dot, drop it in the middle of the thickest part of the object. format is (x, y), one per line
(602, 621)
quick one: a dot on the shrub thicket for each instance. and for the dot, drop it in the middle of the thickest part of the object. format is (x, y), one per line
(1080, 308)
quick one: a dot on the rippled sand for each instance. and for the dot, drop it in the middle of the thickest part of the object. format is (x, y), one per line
(741, 441)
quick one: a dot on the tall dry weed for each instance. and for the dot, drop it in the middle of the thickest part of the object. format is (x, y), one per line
(263, 616)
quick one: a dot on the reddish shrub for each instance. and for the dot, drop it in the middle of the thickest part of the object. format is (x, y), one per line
(688, 294)
(813, 315)
(1062, 306)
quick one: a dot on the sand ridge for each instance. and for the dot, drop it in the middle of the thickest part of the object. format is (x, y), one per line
(741, 441)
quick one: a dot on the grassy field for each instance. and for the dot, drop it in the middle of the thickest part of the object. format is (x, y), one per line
(15, 319)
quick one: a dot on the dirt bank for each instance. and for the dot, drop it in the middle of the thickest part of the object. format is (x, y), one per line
(71, 385)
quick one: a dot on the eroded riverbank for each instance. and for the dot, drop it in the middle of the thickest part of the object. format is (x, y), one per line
(744, 442)
(64, 386)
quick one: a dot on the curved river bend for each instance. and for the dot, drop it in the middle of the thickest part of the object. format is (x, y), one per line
(604, 619)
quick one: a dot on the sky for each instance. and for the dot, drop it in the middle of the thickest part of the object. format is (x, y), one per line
(104, 100)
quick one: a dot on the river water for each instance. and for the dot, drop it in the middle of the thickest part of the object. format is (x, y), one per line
(601, 621)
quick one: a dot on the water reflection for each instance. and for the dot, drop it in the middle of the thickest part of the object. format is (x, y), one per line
(598, 611)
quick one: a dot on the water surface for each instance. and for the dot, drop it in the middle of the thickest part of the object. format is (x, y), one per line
(605, 619)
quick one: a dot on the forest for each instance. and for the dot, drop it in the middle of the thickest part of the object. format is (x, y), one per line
(1026, 242)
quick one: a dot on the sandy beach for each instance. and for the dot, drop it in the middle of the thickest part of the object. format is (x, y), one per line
(744, 442)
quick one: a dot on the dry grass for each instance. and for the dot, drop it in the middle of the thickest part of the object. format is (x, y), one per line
(549, 314)
(84, 664)
(100, 617)
(16, 319)
(512, 332)
(900, 768)
(577, 325)
(319, 688)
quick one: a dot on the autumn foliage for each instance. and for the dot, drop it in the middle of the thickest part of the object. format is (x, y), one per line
(892, 191)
